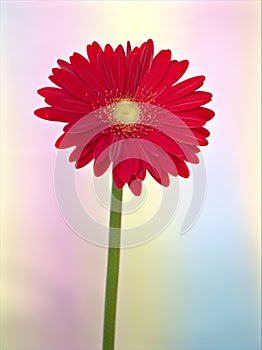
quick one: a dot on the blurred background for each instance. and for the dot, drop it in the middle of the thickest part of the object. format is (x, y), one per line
(196, 291)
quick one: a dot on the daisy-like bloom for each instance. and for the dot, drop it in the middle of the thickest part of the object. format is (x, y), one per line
(127, 108)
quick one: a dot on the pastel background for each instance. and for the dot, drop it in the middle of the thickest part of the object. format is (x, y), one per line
(198, 291)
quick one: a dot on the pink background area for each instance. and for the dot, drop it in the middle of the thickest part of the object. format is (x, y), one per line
(179, 292)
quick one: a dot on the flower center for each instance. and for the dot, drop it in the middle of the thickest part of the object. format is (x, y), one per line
(126, 112)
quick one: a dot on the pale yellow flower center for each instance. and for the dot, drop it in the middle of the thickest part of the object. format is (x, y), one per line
(126, 112)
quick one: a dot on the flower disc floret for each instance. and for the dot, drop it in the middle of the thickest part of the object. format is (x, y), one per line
(127, 112)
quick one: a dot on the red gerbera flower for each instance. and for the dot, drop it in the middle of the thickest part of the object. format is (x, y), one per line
(126, 108)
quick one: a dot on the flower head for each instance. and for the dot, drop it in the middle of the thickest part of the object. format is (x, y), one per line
(126, 108)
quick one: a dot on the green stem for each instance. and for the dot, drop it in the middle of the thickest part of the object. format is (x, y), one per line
(112, 268)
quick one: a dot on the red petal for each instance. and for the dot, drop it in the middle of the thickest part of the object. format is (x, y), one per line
(166, 144)
(64, 141)
(132, 73)
(69, 105)
(159, 67)
(77, 139)
(74, 85)
(178, 149)
(200, 112)
(85, 71)
(135, 166)
(101, 167)
(106, 69)
(141, 173)
(120, 62)
(194, 118)
(175, 129)
(153, 172)
(128, 49)
(135, 186)
(188, 136)
(65, 65)
(146, 58)
(202, 131)
(50, 113)
(191, 120)
(159, 160)
(181, 167)
(184, 88)
(80, 152)
(195, 99)
(103, 145)
(124, 170)
(85, 124)
(56, 93)
(176, 71)
(158, 174)
(101, 154)
(115, 151)
(182, 119)
(173, 74)
(84, 159)
(55, 81)
(49, 91)
(92, 52)
(118, 182)
(189, 152)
